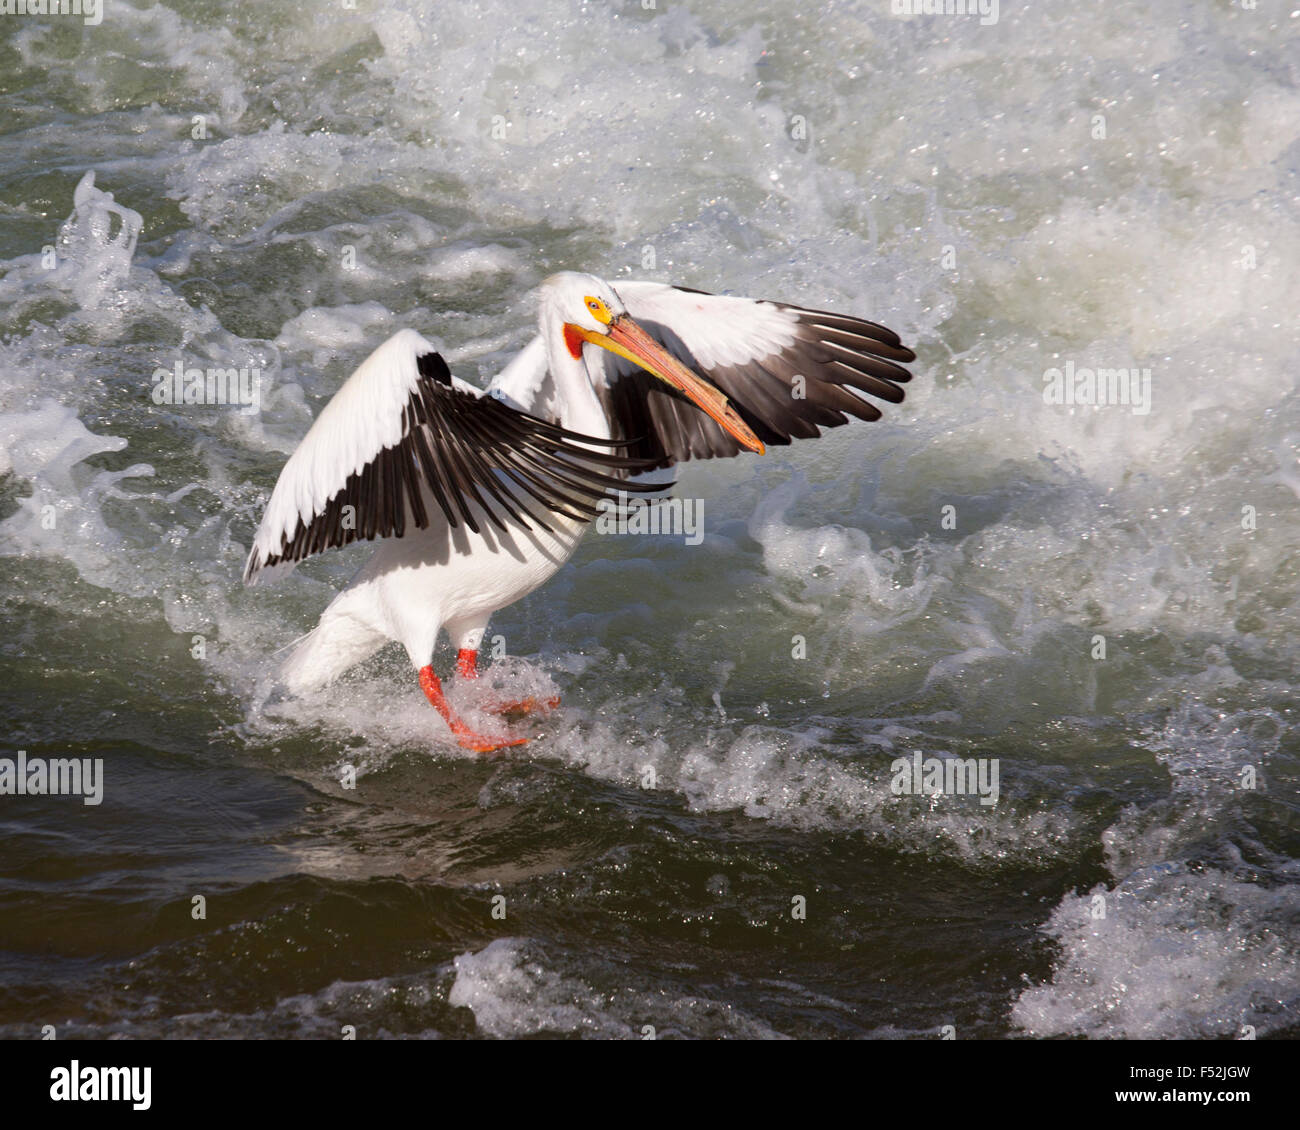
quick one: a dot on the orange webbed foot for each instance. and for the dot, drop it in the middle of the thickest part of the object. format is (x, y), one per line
(480, 743)
(467, 737)
(467, 668)
(522, 706)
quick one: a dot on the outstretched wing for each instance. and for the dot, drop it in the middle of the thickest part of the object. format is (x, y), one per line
(401, 438)
(788, 371)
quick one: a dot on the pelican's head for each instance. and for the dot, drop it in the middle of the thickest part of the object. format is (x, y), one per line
(586, 309)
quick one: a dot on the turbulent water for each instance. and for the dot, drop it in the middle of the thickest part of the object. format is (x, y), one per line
(705, 839)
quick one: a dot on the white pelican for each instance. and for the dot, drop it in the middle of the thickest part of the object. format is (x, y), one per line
(482, 497)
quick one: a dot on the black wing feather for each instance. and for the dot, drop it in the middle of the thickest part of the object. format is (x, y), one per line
(834, 353)
(460, 447)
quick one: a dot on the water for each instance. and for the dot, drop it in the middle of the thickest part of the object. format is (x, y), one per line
(1066, 186)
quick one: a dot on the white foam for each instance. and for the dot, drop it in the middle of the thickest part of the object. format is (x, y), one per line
(1174, 949)
(1179, 955)
(514, 992)
(513, 996)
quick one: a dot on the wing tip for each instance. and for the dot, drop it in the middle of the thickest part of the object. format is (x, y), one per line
(252, 567)
(433, 366)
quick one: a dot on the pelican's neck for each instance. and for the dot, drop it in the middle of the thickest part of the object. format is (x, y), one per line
(576, 402)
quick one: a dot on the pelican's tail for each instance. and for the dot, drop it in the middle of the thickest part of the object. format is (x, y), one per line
(338, 642)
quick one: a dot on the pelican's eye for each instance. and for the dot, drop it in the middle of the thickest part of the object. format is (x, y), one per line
(599, 310)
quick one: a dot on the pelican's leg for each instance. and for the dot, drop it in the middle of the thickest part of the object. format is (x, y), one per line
(467, 668)
(468, 634)
(480, 743)
(467, 663)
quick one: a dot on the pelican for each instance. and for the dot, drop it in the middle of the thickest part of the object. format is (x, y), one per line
(481, 496)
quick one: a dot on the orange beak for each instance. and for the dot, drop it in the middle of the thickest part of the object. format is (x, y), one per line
(629, 340)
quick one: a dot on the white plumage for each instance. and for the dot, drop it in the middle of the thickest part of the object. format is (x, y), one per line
(363, 418)
(482, 498)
